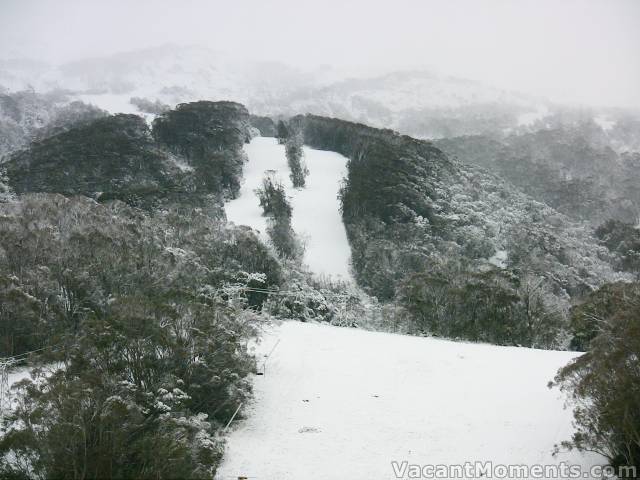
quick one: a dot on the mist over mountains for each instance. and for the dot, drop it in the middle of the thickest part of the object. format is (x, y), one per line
(420, 103)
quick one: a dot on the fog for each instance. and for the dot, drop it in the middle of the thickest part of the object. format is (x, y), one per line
(578, 51)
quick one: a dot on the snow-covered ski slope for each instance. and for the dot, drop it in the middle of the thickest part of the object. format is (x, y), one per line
(340, 403)
(316, 208)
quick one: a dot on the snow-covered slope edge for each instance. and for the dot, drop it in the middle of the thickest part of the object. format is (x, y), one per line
(345, 403)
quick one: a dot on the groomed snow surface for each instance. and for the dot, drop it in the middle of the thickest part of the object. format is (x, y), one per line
(340, 403)
(316, 208)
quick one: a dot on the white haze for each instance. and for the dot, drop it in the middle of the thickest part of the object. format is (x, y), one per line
(578, 51)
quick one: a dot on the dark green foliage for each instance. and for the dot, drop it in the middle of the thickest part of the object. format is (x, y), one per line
(264, 125)
(27, 116)
(391, 181)
(144, 389)
(411, 214)
(587, 318)
(494, 306)
(295, 160)
(605, 381)
(273, 199)
(196, 158)
(282, 132)
(211, 136)
(75, 114)
(382, 254)
(481, 307)
(622, 239)
(22, 327)
(147, 317)
(62, 260)
(276, 207)
(390, 176)
(111, 158)
(571, 168)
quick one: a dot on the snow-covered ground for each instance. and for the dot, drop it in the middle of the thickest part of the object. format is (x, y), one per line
(605, 122)
(18, 374)
(15, 375)
(344, 403)
(529, 118)
(316, 208)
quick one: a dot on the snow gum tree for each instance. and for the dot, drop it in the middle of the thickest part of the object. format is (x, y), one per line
(276, 208)
(295, 159)
(604, 383)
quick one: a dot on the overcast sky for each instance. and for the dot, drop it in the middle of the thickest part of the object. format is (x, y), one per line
(585, 51)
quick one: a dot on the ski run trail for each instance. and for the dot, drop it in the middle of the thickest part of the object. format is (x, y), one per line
(316, 208)
(339, 403)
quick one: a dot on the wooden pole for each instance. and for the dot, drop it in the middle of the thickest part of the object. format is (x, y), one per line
(266, 357)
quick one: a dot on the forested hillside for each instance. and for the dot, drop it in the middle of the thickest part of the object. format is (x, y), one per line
(26, 116)
(142, 310)
(576, 168)
(192, 154)
(464, 252)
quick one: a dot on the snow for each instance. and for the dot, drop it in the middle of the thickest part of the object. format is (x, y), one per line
(316, 208)
(529, 118)
(115, 103)
(345, 403)
(499, 259)
(18, 374)
(180, 164)
(14, 376)
(175, 74)
(605, 122)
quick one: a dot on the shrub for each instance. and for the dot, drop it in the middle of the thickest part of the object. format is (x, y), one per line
(605, 382)
(275, 206)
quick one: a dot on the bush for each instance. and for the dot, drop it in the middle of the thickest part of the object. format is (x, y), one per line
(65, 259)
(211, 136)
(494, 306)
(605, 382)
(149, 351)
(297, 167)
(622, 239)
(142, 393)
(275, 206)
(282, 132)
